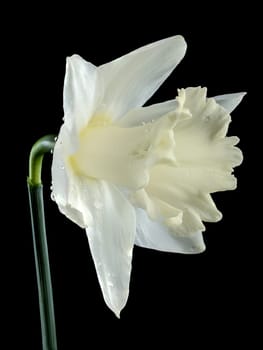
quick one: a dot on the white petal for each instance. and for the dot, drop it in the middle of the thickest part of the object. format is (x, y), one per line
(132, 79)
(82, 91)
(147, 114)
(154, 235)
(230, 101)
(111, 240)
(68, 190)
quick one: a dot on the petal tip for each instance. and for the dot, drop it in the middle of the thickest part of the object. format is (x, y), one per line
(116, 309)
(117, 314)
(218, 216)
(230, 101)
(198, 249)
(180, 38)
(75, 58)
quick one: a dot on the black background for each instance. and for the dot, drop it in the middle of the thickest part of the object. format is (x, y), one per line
(175, 300)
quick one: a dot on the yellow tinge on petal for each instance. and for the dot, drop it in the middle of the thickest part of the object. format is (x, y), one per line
(99, 120)
(120, 155)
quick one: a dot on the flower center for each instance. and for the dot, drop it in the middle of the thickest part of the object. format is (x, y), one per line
(109, 152)
(122, 155)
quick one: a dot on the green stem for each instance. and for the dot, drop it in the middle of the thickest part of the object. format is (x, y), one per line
(35, 191)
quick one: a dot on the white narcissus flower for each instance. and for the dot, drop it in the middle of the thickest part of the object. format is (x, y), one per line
(140, 175)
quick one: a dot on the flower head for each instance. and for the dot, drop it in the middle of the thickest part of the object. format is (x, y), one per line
(131, 174)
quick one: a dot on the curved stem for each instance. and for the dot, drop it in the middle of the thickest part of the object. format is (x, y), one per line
(42, 146)
(35, 191)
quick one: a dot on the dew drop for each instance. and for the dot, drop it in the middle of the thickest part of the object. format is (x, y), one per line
(52, 196)
(62, 167)
(51, 188)
(63, 119)
(97, 204)
(110, 284)
(51, 151)
(55, 138)
(129, 252)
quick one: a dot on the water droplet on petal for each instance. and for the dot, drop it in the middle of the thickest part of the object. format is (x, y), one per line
(129, 252)
(63, 119)
(110, 284)
(52, 196)
(55, 138)
(62, 167)
(97, 204)
(51, 151)
(51, 188)
(143, 123)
